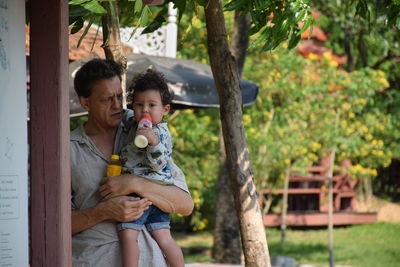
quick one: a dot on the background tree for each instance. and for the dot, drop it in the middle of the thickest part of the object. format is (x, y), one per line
(226, 245)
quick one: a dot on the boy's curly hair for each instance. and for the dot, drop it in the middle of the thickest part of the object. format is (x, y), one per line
(150, 80)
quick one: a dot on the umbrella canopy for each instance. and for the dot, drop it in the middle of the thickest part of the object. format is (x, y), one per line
(191, 82)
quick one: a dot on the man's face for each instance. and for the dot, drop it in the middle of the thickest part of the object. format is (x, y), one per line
(105, 103)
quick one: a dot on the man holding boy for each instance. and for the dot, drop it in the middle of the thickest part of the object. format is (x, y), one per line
(98, 202)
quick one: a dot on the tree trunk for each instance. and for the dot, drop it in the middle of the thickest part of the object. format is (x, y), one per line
(226, 75)
(112, 44)
(330, 208)
(285, 205)
(240, 38)
(227, 248)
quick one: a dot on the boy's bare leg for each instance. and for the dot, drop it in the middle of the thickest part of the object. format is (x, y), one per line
(129, 247)
(169, 247)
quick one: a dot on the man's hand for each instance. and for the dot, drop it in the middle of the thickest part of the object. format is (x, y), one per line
(124, 208)
(114, 186)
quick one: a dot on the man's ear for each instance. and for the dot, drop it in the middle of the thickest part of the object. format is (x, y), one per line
(84, 102)
(167, 108)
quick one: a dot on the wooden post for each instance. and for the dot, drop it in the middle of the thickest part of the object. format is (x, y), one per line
(50, 197)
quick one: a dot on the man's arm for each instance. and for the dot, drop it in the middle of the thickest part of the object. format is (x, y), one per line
(168, 198)
(123, 209)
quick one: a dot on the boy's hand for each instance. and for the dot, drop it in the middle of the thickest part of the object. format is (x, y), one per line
(150, 135)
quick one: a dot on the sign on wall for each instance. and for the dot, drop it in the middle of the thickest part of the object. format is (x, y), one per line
(13, 136)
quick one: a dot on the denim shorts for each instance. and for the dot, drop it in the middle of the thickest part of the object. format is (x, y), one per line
(153, 218)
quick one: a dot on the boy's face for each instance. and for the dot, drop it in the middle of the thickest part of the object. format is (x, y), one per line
(149, 103)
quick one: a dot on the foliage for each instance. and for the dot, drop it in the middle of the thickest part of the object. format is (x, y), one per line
(196, 151)
(275, 21)
(272, 21)
(359, 245)
(293, 120)
(372, 38)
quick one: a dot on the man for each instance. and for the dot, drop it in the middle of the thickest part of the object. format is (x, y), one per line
(98, 202)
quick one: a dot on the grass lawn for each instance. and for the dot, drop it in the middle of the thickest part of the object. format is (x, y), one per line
(375, 245)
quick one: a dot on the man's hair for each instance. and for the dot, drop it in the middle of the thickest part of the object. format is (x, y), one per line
(93, 71)
(150, 80)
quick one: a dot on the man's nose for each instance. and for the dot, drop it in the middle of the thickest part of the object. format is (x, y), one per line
(117, 102)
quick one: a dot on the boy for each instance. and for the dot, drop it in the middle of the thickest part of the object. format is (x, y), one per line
(150, 97)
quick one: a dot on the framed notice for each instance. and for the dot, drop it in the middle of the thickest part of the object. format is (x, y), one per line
(13, 136)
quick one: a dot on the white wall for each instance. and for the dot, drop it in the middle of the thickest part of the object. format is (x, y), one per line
(13, 136)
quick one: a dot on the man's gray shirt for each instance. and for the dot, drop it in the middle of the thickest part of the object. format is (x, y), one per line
(99, 245)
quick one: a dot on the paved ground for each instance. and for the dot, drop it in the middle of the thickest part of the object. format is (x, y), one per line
(230, 265)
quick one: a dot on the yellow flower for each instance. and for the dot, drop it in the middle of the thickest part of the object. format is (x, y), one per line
(346, 106)
(364, 129)
(172, 130)
(361, 101)
(327, 56)
(347, 80)
(287, 162)
(312, 56)
(246, 119)
(315, 146)
(188, 111)
(351, 115)
(380, 73)
(384, 82)
(333, 63)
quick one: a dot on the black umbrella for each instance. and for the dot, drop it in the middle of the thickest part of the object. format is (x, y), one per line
(192, 82)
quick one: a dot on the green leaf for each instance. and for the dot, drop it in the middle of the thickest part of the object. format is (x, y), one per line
(77, 2)
(95, 7)
(294, 40)
(181, 5)
(307, 24)
(157, 22)
(77, 11)
(97, 33)
(77, 25)
(138, 6)
(86, 30)
(234, 5)
(301, 15)
(144, 17)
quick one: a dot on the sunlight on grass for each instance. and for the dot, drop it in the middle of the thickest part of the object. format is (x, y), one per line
(357, 246)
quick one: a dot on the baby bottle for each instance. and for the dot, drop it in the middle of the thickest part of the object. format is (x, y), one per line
(141, 140)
